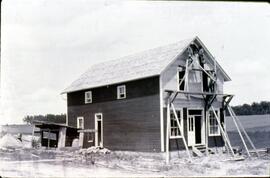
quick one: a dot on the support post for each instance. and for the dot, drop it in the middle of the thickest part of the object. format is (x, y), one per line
(206, 132)
(49, 134)
(186, 77)
(181, 131)
(244, 131)
(222, 131)
(168, 132)
(226, 144)
(33, 134)
(239, 131)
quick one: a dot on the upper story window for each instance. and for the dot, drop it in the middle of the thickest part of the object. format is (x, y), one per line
(121, 92)
(88, 97)
(80, 122)
(175, 132)
(213, 124)
(181, 79)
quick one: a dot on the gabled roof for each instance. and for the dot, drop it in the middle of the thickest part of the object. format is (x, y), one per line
(141, 65)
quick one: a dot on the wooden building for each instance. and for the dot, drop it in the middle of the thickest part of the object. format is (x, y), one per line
(162, 99)
(55, 135)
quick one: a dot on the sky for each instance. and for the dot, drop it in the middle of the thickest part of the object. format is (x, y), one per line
(45, 45)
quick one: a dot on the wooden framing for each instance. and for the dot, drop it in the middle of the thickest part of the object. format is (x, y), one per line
(240, 134)
(168, 134)
(209, 99)
(237, 122)
(224, 135)
(181, 130)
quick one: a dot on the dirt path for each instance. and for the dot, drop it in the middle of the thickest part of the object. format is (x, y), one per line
(30, 163)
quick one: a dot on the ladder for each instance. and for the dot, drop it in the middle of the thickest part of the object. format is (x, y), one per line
(241, 129)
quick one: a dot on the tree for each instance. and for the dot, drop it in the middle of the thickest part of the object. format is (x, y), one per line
(58, 118)
(255, 108)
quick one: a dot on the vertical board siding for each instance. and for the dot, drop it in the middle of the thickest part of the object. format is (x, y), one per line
(128, 124)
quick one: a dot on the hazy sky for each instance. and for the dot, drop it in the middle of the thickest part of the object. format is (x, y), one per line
(47, 44)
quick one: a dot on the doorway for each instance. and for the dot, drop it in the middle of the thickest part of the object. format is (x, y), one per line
(195, 127)
(99, 130)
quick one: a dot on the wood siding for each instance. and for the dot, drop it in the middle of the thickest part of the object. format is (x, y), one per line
(128, 124)
(134, 89)
(169, 82)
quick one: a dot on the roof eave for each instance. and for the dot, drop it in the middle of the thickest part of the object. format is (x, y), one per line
(115, 83)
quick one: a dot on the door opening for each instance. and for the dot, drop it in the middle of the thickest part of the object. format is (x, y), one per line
(195, 127)
(198, 135)
(99, 130)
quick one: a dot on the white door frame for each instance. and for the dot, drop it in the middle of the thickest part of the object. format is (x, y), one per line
(192, 135)
(191, 130)
(96, 128)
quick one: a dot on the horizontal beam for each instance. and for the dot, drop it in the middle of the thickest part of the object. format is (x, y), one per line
(195, 69)
(197, 93)
(87, 130)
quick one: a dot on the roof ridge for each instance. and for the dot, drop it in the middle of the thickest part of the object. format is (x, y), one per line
(142, 64)
(126, 57)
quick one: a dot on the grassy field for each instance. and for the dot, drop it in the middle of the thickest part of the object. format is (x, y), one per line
(257, 127)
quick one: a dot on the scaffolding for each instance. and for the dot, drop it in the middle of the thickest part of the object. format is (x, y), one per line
(209, 97)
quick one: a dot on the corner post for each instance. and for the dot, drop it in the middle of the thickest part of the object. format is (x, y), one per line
(168, 132)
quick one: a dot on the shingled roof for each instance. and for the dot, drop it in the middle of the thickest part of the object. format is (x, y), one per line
(141, 65)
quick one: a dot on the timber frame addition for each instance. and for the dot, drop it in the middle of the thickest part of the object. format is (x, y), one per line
(209, 96)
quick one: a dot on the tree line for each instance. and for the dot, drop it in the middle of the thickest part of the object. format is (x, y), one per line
(56, 118)
(256, 108)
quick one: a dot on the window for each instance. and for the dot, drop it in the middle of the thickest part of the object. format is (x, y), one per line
(213, 124)
(121, 92)
(181, 80)
(88, 97)
(191, 123)
(80, 123)
(175, 132)
(49, 135)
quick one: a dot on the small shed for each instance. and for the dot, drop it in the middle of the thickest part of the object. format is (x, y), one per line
(56, 135)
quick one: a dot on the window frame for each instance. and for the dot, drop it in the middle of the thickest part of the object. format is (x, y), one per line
(124, 93)
(176, 127)
(86, 98)
(213, 126)
(80, 118)
(180, 69)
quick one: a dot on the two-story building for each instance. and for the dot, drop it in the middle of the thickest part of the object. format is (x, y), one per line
(155, 100)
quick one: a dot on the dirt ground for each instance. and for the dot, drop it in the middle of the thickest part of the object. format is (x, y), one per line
(79, 163)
